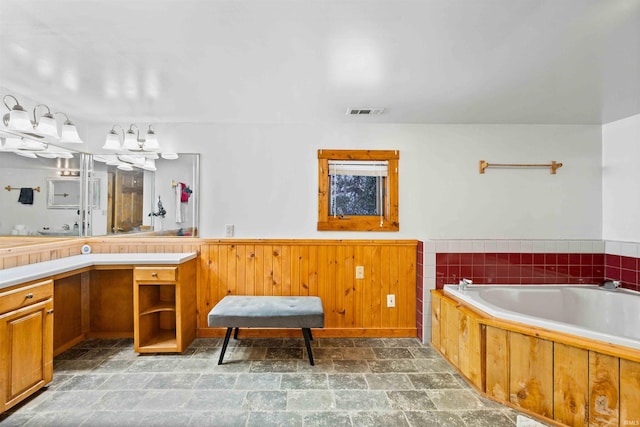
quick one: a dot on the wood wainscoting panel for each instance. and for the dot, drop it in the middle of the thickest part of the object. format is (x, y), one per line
(435, 318)
(324, 268)
(38, 249)
(531, 373)
(570, 384)
(629, 393)
(497, 363)
(604, 391)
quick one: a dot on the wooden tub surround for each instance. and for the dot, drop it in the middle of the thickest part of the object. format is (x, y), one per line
(559, 378)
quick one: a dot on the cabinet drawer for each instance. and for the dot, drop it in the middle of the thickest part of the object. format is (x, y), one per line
(155, 273)
(26, 295)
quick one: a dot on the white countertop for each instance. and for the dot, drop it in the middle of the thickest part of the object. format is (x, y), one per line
(26, 273)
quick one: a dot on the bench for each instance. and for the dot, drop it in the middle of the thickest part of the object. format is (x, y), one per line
(267, 312)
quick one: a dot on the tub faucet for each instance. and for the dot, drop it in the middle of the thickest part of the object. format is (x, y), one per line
(462, 285)
(611, 284)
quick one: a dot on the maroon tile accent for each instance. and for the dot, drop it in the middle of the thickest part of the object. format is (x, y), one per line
(533, 268)
(612, 260)
(420, 288)
(628, 263)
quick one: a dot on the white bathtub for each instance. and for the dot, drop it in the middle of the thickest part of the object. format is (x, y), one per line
(612, 316)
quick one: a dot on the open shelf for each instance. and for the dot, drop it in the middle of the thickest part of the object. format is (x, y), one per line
(163, 340)
(162, 306)
(164, 302)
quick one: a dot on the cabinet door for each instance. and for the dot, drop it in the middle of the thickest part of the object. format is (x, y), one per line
(26, 351)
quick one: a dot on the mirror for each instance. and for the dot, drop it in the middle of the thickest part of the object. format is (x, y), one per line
(24, 194)
(121, 203)
(160, 200)
(63, 193)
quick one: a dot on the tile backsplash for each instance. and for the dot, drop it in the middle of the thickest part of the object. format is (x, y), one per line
(531, 262)
(523, 262)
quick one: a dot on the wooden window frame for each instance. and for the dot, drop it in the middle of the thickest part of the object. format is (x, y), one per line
(390, 219)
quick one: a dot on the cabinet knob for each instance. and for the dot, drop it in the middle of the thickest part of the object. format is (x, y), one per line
(50, 311)
(29, 296)
(154, 274)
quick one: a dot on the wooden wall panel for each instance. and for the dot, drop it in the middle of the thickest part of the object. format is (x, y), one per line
(570, 384)
(497, 363)
(15, 253)
(629, 393)
(353, 307)
(284, 267)
(531, 373)
(470, 346)
(604, 383)
(435, 319)
(450, 321)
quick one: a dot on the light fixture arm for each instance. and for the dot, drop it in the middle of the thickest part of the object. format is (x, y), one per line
(113, 130)
(15, 107)
(131, 126)
(47, 114)
(67, 120)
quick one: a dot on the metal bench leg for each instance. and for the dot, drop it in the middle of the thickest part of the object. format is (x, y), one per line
(235, 334)
(310, 336)
(224, 345)
(306, 332)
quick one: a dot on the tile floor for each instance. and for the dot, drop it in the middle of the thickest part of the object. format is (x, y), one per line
(263, 382)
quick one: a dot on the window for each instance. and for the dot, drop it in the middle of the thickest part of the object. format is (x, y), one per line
(358, 190)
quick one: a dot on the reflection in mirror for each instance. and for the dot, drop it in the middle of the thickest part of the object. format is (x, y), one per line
(135, 196)
(121, 201)
(63, 193)
(24, 183)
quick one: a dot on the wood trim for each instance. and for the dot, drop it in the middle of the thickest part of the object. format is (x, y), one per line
(391, 217)
(573, 340)
(358, 154)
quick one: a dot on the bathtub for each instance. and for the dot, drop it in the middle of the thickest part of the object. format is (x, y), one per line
(611, 316)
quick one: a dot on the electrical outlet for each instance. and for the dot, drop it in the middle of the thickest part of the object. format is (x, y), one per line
(391, 300)
(228, 230)
(359, 272)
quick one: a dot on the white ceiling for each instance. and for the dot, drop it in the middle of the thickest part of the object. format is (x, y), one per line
(264, 61)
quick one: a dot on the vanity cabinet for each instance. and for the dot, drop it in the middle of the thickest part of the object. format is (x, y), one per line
(26, 341)
(164, 307)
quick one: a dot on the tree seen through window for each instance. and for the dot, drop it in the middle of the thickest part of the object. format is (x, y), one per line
(356, 195)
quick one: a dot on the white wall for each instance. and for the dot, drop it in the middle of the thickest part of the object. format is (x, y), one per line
(18, 172)
(620, 180)
(263, 178)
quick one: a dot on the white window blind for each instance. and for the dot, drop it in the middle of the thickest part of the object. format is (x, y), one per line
(359, 167)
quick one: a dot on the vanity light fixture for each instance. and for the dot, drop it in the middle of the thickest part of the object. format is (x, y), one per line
(45, 127)
(131, 140)
(17, 118)
(69, 131)
(113, 140)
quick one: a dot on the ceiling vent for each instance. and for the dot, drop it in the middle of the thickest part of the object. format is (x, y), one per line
(364, 111)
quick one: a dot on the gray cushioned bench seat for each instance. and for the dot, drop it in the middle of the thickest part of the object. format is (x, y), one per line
(267, 312)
